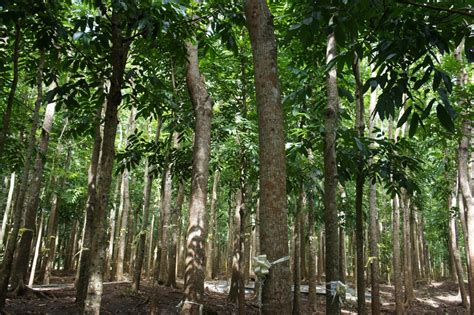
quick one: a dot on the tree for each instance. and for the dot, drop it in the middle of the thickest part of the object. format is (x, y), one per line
(276, 293)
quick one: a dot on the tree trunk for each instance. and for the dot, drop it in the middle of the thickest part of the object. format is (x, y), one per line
(20, 268)
(330, 181)
(212, 229)
(111, 264)
(7, 262)
(85, 254)
(396, 256)
(408, 277)
(297, 252)
(463, 158)
(173, 242)
(37, 251)
(359, 215)
(13, 87)
(312, 256)
(276, 293)
(7, 209)
(373, 223)
(196, 234)
(118, 57)
(165, 221)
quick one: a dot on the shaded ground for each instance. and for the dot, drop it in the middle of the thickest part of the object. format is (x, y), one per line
(437, 298)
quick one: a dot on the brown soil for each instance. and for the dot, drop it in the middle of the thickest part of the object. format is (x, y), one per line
(437, 298)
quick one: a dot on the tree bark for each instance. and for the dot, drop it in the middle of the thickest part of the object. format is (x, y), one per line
(13, 87)
(360, 179)
(276, 293)
(312, 256)
(196, 233)
(37, 251)
(165, 220)
(396, 256)
(7, 262)
(297, 253)
(85, 254)
(331, 180)
(20, 269)
(408, 277)
(119, 52)
(373, 223)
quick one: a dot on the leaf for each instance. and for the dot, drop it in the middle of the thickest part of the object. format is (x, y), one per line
(346, 94)
(436, 80)
(427, 110)
(444, 118)
(414, 124)
(404, 117)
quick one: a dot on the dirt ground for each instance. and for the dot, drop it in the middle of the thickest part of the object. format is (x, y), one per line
(436, 298)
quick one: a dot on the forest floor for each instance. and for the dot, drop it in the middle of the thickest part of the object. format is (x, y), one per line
(436, 298)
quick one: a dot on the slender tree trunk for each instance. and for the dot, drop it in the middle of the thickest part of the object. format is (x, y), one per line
(359, 190)
(7, 209)
(165, 221)
(312, 256)
(276, 293)
(119, 52)
(373, 223)
(408, 276)
(342, 254)
(20, 269)
(396, 256)
(330, 181)
(211, 238)
(196, 234)
(7, 262)
(173, 242)
(37, 251)
(110, 262)
(297, 253)
(13, 87)
(463, 158)
(85, 254)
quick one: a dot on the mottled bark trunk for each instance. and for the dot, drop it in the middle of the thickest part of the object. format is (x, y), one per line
(276, 293)
(7, 262)
(297, 252)
(119, 52)
(342, 254)
(212, 230)
(37, 252)
(397, 272)
(11, 95)
(20, 268)
(196, 233)
(463, 158)
(85, 254)
(360, 179)
(331, 180)
(165, 222)
(373, 223)
(407, 251)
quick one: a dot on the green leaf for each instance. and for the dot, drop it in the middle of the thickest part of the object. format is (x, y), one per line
(414, 124)
(444, 118)
(404, 117)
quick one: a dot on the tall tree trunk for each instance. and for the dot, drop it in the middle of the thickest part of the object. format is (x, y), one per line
(196, 234)
(13, 87)
(463, 158)
(167, 182)
(297, 253)
(173, 242)
(312, 276)
(7, 209)
(397, 272)
(373, 223)
(7, 262)
(359, 215)
(37, 252)
(119, 54)
(85, 254)
(212, 229)
(20, 270)
(408, 276)
(276, 293)
(330, 181)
